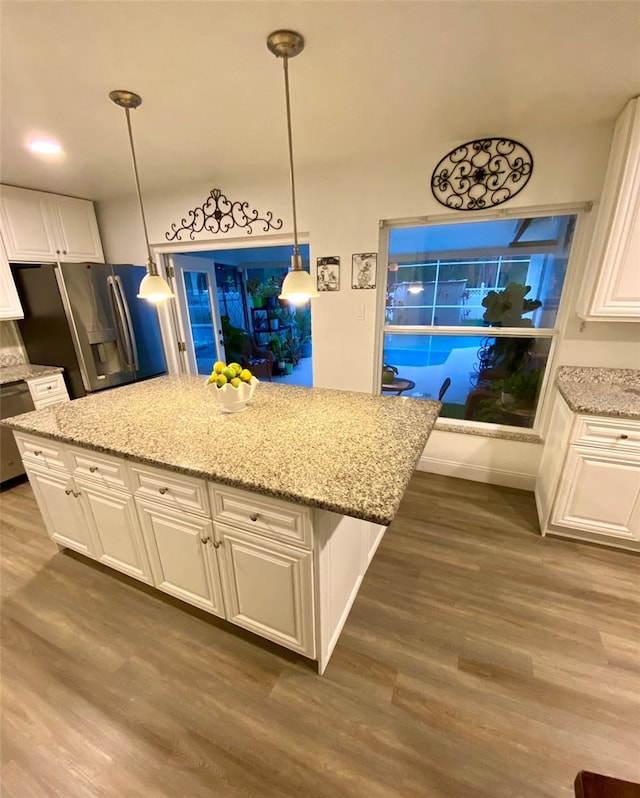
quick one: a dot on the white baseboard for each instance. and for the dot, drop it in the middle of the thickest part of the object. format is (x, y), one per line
(476, 473)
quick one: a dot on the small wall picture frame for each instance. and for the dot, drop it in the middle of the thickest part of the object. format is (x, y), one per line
(328, 273)
(363, 270)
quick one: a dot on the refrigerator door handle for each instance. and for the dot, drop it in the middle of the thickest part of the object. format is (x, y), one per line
(127, 315)
(120, 318)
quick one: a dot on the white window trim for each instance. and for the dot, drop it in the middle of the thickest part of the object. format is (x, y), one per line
(578, 243)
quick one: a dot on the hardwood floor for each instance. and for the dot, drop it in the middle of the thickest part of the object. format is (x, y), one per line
(478, 660)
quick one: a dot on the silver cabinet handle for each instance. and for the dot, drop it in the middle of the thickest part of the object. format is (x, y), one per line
(163, 490)
(216, 545)
(204, 540)
(93, 469)
(254, 516)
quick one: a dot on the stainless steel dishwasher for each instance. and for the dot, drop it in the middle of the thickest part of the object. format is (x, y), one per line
(14, 399)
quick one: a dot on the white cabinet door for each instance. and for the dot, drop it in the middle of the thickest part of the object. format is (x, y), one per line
(75, 220)
(59, 502)
(10, 307)
(600, 492)
(26, 225)
(182, 555)
(268, 588)
(614, 257)
(115, 530)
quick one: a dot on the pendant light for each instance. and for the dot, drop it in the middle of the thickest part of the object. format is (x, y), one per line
(298, 287)
(154, 288)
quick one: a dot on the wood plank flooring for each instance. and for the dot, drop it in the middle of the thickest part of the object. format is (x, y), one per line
(478, 660)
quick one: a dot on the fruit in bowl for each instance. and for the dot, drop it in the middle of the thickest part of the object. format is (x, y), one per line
(232, 386)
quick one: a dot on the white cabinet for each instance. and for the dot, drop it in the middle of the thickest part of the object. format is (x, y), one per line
(10, 307)
(268, 588)
(613, 291)
(182, 554)
(284, 571)
(58, 498)
(600, 493)
(48, 390)
(37, 227)
(589, 481)
(115, 530)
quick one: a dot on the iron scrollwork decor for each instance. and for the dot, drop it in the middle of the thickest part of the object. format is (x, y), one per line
(481, 174)
(219, 215)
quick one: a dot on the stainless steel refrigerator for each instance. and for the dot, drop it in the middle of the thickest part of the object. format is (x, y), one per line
(86, 318)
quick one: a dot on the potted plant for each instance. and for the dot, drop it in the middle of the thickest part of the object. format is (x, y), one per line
(303, 326)
(290, 352)
(506, 355)
(388, 374)
(270, 291)
(276, 347)
(255, 292)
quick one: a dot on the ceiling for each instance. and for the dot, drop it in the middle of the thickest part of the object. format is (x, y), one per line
(376, 78)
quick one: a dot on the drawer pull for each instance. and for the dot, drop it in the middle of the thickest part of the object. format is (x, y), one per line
(254, 516)
(49, 387)
(623, 437)
(93, 469)
(204, 540)
(37, 452)
(76, 494)
(163, 490)
(68, 492)
(216, 545)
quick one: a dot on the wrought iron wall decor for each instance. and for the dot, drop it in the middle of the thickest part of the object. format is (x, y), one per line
(481, 174)
(219, 215)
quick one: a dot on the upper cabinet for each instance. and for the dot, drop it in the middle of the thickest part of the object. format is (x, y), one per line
(10, 307)
(613, 291)
(37, 227)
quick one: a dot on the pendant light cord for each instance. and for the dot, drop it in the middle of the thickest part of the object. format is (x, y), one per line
(296, 252)
(151, 265)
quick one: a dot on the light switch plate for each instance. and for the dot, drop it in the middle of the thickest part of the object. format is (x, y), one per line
(359, 313)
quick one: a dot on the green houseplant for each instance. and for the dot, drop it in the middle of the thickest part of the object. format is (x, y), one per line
(255, 292)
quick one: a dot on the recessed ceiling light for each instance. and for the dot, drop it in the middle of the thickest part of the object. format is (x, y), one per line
(44, 147)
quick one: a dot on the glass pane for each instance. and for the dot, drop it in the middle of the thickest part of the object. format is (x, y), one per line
(201, 320)
(491, 379)
(506, 273)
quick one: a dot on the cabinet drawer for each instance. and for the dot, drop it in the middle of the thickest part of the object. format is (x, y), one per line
(622, 435)
(101, 469)
(43, 451)
(53, 399)
(44, 387)
(269, 517)
(170, 488)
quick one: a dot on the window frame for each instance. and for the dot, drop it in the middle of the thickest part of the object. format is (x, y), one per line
(580, 210)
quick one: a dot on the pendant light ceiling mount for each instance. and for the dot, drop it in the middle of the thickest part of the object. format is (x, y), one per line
(298, 286)
(125, 99)
(285, 43)
(153, 287)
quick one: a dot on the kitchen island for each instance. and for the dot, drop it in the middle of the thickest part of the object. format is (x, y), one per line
(268, 518)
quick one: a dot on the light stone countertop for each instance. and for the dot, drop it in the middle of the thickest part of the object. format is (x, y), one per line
(600, 391)
(25, 371)
(352, 453)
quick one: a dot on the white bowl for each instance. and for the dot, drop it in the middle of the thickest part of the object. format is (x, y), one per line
(234, 400)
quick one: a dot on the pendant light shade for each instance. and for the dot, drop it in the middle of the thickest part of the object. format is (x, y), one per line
(298, 286)
(154, 288)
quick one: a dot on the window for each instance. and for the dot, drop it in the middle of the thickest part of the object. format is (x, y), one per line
(470, 313)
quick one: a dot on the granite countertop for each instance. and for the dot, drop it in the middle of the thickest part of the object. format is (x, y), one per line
(25, 371)
(600, 391)
(348, 452)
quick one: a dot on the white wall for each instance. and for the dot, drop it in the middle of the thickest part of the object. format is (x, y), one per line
(340, 209)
